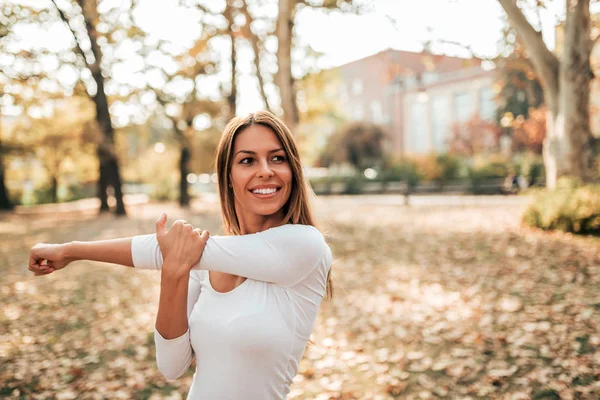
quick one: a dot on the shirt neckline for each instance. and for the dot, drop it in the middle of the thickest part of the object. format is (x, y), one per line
(223, 293)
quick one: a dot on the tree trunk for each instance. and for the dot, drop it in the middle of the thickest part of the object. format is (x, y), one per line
(232, 97)
(575, 78)
(5, 203)
(184, 162)
(102, 183)
(54, 189)
(109, 166)
(284, 78)
(567, 146)
(113, 171)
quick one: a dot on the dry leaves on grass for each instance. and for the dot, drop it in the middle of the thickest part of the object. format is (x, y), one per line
(431, 302)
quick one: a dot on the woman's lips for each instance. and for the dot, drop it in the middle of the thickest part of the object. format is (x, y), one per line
(266, 195)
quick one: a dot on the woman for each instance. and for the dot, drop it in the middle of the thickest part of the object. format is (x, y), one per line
(244, 304)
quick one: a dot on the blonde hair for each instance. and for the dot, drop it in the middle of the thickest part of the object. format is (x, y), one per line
(297, 210)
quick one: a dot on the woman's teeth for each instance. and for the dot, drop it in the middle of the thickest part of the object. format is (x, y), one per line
(264, 191)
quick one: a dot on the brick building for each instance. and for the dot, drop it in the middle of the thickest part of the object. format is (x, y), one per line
(417, 97)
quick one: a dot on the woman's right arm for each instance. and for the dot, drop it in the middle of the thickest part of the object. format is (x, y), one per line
(46, 258)
(171, 334)
(185, 246)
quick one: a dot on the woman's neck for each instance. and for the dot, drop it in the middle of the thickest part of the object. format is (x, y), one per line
(258, 223)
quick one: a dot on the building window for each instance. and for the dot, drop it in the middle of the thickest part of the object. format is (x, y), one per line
(440, 123)
(463, 107)
(359, 112)
(430, 77)
(357, 86)
(487, 107)
(376, 112)
(418, 125)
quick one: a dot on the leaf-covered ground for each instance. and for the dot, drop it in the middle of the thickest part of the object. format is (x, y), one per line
(432, 301)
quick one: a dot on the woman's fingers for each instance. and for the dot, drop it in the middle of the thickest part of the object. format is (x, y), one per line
(205, 235)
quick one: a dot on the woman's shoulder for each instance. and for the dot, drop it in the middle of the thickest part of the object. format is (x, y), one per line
(298, 231)
(299, 238)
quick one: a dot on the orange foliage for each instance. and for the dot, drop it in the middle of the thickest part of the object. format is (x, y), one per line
(474, 136)
(528, 134)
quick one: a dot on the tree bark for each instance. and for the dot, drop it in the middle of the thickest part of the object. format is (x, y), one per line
(184, 163)
(284, 78)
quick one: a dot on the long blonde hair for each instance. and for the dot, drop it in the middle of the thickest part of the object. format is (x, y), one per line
(297, 210)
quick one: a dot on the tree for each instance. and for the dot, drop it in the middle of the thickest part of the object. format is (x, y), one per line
(183, 106)
(358, 144)
(565, 79)
(61, 139)
(321, 112)
(87, 38)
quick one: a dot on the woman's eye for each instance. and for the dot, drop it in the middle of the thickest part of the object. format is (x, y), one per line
(279, 159)
(247, 160)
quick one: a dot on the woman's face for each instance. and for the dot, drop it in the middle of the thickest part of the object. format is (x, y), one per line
(260, 173)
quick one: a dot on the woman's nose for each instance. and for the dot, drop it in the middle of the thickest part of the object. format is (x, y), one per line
(264, 170)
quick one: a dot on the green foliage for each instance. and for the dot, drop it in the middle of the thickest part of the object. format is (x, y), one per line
(159, 170)
(451, 167)
(531, 166)
(359, 144)
(491, 170)
(572, 207)
(354, 184)
(403, 170)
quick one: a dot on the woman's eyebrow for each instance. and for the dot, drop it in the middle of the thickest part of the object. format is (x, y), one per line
(253, 152)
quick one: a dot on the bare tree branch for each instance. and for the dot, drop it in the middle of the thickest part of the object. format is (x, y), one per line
(256, 48)
(545, 62)
(65, 19)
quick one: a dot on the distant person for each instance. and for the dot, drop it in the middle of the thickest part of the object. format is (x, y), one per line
(244, 304)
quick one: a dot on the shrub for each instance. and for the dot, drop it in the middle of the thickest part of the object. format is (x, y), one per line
(490, 168)
(531, 166)
(571, 207)
(402, 170)
(354, 185)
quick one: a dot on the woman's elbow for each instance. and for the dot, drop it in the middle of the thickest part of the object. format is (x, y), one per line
(171, 371)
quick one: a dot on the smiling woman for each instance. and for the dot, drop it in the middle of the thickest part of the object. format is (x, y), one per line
(243, 304)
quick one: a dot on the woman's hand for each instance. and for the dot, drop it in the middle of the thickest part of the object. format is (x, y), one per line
(181, 246)
(46, 258)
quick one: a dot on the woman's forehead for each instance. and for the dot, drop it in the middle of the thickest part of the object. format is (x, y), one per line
(256, 138)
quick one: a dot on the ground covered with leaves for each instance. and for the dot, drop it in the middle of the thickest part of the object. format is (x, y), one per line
(432, 301)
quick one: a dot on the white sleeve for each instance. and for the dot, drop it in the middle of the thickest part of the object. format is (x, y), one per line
(174, 356)
(284, 255)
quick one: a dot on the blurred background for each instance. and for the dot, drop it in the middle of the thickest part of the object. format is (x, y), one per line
(460, 137)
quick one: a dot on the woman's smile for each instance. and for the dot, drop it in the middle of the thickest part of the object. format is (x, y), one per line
(265, 191)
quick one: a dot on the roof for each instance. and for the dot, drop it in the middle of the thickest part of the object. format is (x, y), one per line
(408, 62)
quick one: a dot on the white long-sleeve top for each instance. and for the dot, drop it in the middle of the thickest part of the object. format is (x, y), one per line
(249, 341)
